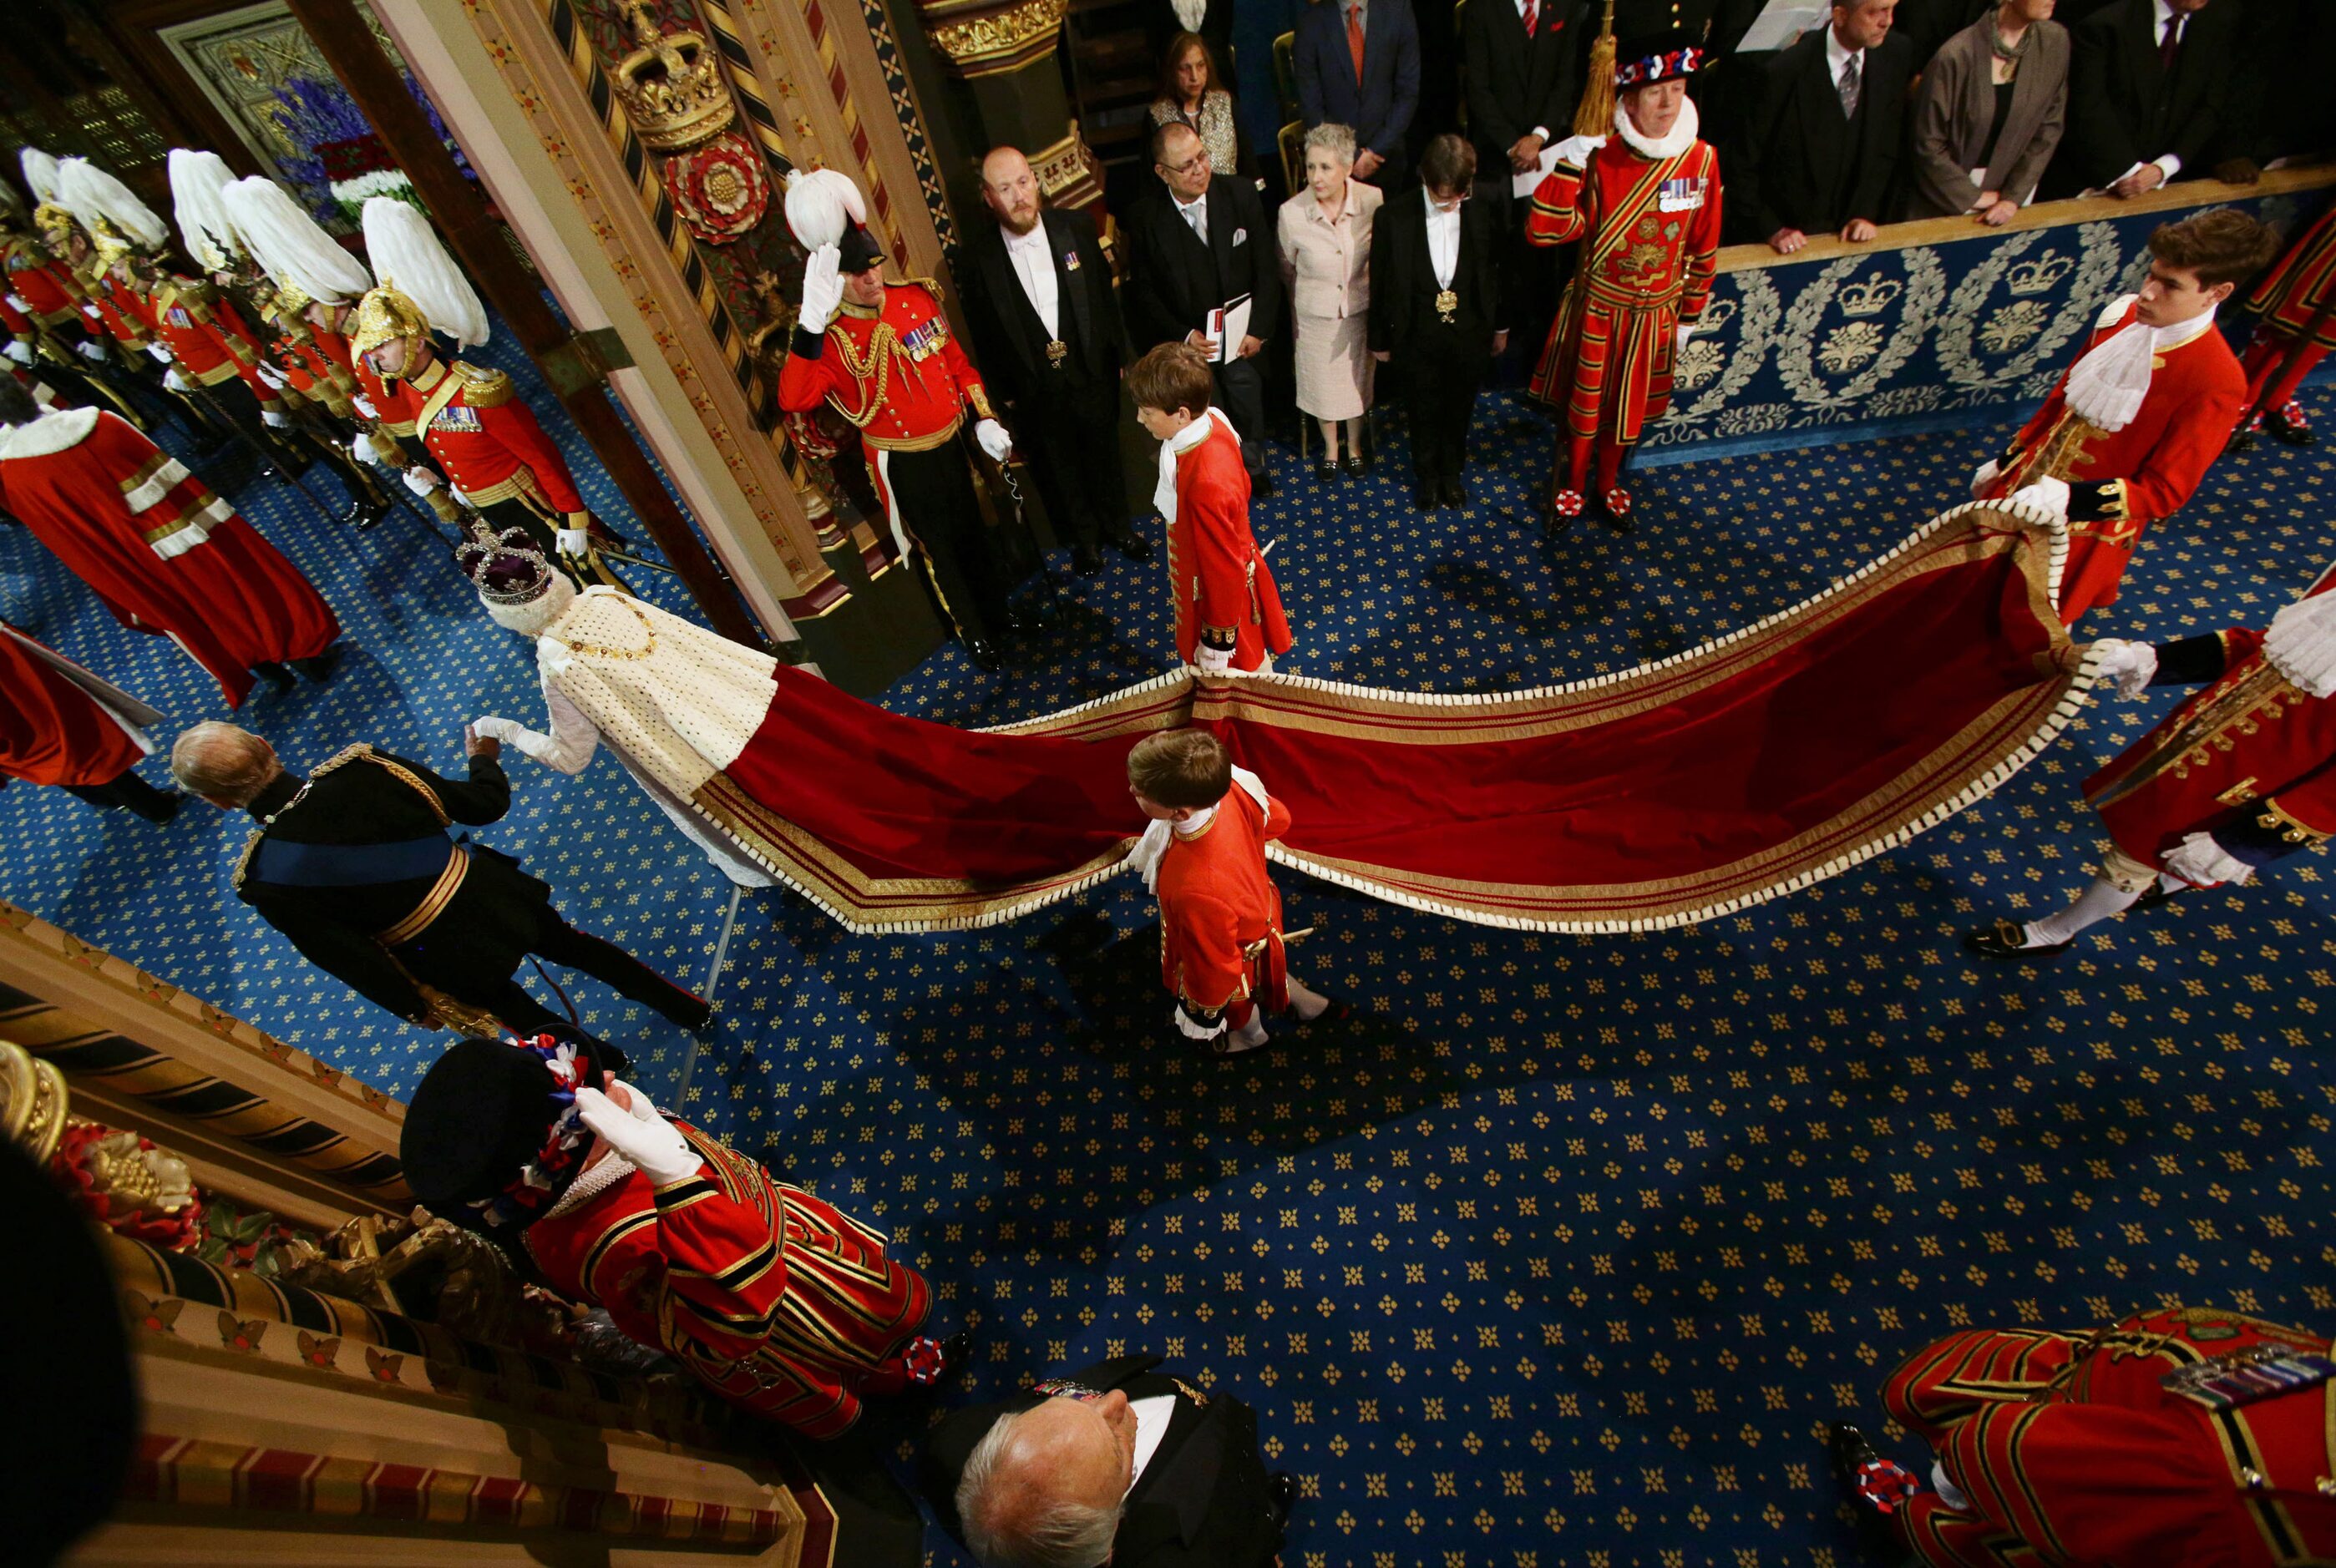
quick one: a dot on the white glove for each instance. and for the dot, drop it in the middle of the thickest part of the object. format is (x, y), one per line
(89, 348)
(572, 541)
(1983, 477)
(2047, 495)
(2199, 860)
(653, 1144)
(269, 373)
(160, 353)
(421, 480)
(1574, 150)
(1679, 339)
(273, 420)
(1212, 661)
(991, 437)
(18, 352)
(16, 303)
(363, 405)
(527, 743)
(822, 289)
(2130, 664)
(175, 381)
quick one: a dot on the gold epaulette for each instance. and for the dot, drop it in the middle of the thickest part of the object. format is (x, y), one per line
(930, 285)
(243, 861)
(483, 388)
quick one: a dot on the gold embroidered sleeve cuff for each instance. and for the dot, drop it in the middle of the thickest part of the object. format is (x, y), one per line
(1225, 637)
(977, 397)
(2097, 500)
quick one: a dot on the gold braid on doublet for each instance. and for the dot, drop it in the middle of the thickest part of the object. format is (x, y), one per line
(871, 373)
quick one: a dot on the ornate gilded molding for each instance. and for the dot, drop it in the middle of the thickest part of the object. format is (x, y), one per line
(987, 39)
(1068, 172)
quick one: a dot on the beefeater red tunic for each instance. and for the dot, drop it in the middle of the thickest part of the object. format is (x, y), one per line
(2120, 482)
(1220, 949)
(1650, 229)
(162, 552)
(52, 731)
(2298, 327)
(2247, 758)
(779, 1302)
(2072, 1455)
(1225, 591)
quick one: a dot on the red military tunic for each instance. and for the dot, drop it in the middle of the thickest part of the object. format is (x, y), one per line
(209, 340)
(488, 443)
(898, 374)
(299, 355)
(51, 292)
(1221, 914)
(122, 312)
(1650, 229)
(162, 552)
(53, 728)
(1223, 591)
(779, 1302)
(2248, 754)
(2072, 1455)
(2120, 482)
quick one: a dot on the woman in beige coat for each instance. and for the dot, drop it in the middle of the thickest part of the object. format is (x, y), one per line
(1988, 114)
(1326, 253)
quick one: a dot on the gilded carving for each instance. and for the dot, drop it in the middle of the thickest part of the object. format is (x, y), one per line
(1001, 40)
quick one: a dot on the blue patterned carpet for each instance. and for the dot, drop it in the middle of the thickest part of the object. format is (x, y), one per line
(1565, 1252)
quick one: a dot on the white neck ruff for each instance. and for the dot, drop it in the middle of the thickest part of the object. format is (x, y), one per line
(1670, 144)
(1163, 495)
(2302, 642)
(536, 616)
(2107, 386)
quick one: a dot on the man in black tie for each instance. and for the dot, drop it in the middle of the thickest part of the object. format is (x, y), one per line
(1524, 80)
(1435, 311)
(1199, 242)
(1123, 1463)
(2149, 85)
(1827, 134)
(1040, 304)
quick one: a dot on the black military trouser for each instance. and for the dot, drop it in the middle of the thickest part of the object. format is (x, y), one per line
(604, 961)
(933, 493)
(1072, 441)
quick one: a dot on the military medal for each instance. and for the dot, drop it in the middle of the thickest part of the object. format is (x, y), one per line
(1446, 302)
(1057, 351)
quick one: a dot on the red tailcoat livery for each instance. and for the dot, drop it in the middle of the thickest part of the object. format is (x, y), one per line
(52, 729)
(164, 554)
(1225, 591)
(779, 1302)
(2072, 1455)
(2248, 758)
(487, 442)
(1221, 914)
(1650, 246)
(897, 372)
(2121, 482)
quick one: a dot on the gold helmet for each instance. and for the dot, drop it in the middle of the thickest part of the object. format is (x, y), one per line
(55, 225)
(385, 314)
(108, 244)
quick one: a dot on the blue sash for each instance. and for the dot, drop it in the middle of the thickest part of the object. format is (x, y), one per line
(348, 865)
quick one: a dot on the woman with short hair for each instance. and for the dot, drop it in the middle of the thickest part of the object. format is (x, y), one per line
(1325, 254)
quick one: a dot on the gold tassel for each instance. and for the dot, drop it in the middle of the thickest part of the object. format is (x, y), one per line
(1595, 115)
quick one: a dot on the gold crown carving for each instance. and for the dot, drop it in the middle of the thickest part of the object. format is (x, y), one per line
(1871, 297)
(2038, 276)
(1716, 315)
(672, 86)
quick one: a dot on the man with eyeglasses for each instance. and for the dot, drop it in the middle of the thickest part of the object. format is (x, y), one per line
(1121, 1463)
(1199, 243)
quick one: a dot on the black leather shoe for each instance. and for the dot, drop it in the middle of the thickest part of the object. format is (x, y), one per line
(957, 1354)
(2006, 943)
(1424, 497)
(1356, 465)
(2160, 894)
(364, 513)
(2242, 439)
(320, 668)
(1282, 1487)
(2289, 426)
(1325, 470)
(1456, 491)
(1085, 560)
(984, 653)
(1129, 542)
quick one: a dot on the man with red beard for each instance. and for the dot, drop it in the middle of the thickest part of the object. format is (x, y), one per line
(165, 554)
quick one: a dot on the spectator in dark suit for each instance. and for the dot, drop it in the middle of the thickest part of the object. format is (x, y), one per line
(1121, 1463)
(1358, 65)
(1827, 134)
(1435, 311)
(1046, 319)
(1199, 242)
(2148, 91)
(2282, 107)
(1523, 76)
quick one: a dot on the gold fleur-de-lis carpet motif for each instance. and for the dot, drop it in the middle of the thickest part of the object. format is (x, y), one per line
(1565, 1250)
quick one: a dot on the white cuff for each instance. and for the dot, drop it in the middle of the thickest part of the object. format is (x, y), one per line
(1542, 132)
(2170, 162)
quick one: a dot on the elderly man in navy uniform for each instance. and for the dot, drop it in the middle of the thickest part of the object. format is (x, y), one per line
(883, 356)
(354, 865)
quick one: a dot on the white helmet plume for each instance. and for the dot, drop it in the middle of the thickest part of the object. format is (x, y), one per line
(197, 178)
(821, 204)
(40, 174)
(408, 258)
(291, 246)
(92, 193)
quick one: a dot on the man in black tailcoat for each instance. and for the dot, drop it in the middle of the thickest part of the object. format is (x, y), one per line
(1198, 241)
(1039, 302)
(1134, 1464)
(1435, 311)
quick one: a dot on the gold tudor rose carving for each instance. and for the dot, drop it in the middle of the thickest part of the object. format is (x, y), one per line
(1005, 32)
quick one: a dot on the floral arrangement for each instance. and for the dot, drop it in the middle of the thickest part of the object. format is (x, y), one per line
(337, 161)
